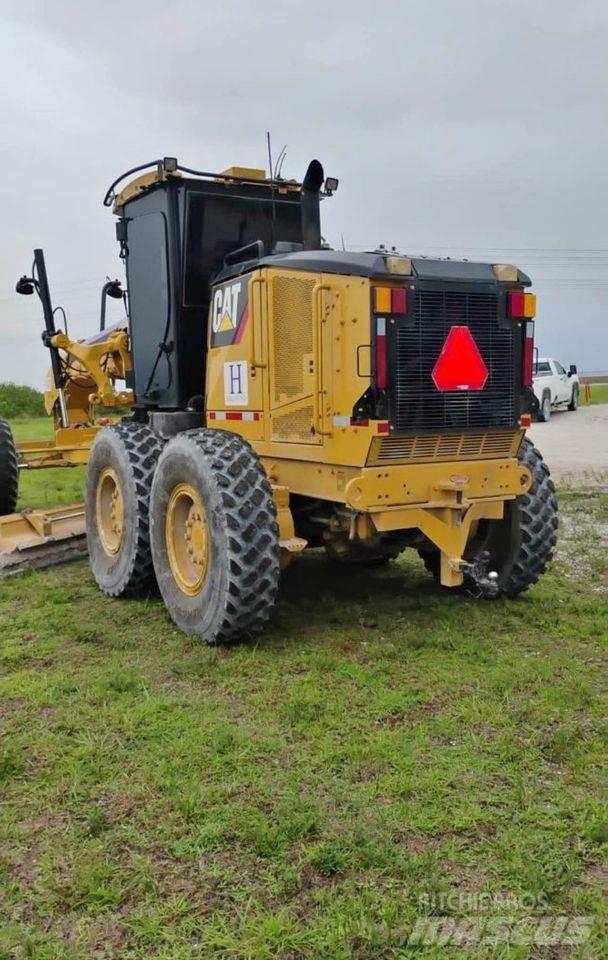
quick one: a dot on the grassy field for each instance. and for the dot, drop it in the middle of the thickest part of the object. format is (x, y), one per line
(312, 794)
(599, 393)
(45, 488)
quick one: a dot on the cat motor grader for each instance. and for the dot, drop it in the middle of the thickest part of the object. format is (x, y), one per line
(285, 395)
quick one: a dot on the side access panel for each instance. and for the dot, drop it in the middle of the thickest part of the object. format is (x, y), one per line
(293, 356)
(236, 358)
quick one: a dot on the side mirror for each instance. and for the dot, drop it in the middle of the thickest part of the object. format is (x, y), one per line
(114, 289)
(24, 286)
(572, 370)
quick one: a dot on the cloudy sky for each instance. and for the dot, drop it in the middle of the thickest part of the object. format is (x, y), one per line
(473, 128)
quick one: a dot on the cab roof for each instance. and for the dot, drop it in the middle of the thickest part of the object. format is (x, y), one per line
(377, 263)
(170, 169)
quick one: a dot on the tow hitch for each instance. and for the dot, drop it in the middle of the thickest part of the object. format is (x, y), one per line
(484, 582)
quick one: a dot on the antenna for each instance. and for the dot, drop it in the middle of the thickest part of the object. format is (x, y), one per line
(279, 163)
(269, 153)
(274, 206)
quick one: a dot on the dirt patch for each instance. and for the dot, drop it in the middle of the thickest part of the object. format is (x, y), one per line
(581, 548)
(573, 444)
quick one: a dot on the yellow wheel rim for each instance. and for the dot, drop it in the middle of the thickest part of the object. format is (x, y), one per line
(110, 512)
(187, 538)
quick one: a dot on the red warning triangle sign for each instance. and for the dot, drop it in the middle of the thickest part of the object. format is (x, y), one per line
(460, 366)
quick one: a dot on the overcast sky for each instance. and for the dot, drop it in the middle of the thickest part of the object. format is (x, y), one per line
(471, 128)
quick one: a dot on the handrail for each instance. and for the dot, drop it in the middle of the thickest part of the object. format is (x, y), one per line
(317, 342)
(255, 364)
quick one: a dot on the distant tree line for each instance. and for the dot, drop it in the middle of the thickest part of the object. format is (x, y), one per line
(19, 401)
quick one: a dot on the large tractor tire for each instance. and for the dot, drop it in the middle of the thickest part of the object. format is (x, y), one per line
(119, 480)
(214, 536)
(544, 410)
(9, 470)
(521, 544)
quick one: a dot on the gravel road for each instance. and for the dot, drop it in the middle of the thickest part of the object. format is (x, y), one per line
(575, 444)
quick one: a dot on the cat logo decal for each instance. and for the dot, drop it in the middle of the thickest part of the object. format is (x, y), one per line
(229, 313)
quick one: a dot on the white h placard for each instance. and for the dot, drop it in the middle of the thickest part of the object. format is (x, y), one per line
(236, 383)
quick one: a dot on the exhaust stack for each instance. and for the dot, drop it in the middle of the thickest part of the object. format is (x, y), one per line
(311, 216)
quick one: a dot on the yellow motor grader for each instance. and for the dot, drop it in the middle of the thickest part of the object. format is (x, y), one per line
(285, 395)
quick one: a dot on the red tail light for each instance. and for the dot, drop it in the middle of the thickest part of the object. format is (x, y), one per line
(528, 365)
(390, 300)
(520, 305)
(515, 303)
(381, 353)
(398, 300)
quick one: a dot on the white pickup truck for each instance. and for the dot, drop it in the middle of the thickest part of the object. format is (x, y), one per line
(553, 387)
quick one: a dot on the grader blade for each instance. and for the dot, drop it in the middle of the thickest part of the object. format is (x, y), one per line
(41, 538)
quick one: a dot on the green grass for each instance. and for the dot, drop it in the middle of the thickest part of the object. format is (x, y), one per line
(296, 797)
(599, 393)
(45, 488)
(34, 428)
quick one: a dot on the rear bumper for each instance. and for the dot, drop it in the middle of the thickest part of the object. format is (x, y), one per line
(443, 501)
(436, 485)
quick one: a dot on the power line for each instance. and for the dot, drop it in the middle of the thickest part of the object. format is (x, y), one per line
(464, 246)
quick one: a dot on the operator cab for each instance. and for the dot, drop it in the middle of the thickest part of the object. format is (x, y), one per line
(177, 229)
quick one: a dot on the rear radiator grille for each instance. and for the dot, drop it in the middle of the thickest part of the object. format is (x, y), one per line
(419, 405)
(447, 446)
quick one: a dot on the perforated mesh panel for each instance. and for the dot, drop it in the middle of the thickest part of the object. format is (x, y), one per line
(292, 335)
(449, 446)
(295, 426)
